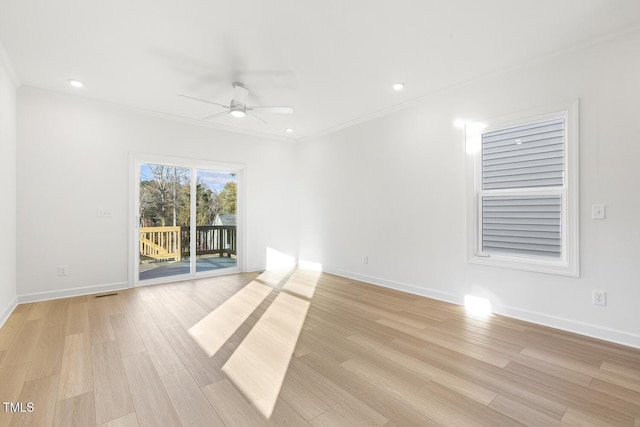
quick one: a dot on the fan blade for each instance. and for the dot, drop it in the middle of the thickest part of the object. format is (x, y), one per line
(277, 110)
(258, 117)
(240, 93)
(215, 115)
(205, 100)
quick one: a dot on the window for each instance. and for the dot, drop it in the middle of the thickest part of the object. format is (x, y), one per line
(523, 192)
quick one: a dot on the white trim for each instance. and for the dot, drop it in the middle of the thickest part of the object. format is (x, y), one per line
(71, 292)
(564, 324)
(135, 160)
(398, 286)
(568, 325)
(8, 310)
(569, 264)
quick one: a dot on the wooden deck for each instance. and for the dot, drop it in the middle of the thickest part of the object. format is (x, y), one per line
(365, 356)
(155, 270)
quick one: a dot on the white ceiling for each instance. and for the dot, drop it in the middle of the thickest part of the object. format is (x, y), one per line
(333, 61)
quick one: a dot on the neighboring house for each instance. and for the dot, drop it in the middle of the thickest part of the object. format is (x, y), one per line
(224, 219)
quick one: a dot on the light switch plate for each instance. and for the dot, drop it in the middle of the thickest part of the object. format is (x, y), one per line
(105, 213)
(598, 212)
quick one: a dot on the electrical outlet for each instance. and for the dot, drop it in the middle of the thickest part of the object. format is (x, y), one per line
(365, 259)
(63, 270)
(599, 297)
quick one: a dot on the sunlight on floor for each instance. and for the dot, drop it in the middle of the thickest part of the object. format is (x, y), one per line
(259, 365)
(215, 329)
(477, 306)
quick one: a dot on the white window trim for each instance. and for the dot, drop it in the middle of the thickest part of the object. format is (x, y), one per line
(568, 265)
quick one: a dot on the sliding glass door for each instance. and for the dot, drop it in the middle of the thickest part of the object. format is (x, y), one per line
(187, 220)
(216, 225)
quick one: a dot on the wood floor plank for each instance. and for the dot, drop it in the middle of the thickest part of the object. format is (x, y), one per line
(285, 416)
(49, 352)
(78, 411)
(76, 372)
(189, 401)
(111, 389)
(152, 404)
(129, 420)
(557, 371)
(578, 419)
(331, 418)
(523, 414)
(445, 406)
(126, 334)
(161, 353)
(385, 402)
(343, 402)
(23, 347)
(302, 400)
(78, 318)
(381, 377)
(42, 393)
(203, 369)
(133, 304)
(233, 408)
(58, 311)
(630, 371)
(156, 310)
(12, 380)
(485, 375)
(10, 329)
(461, 385)
(39, 310)
(100, 330)
(633, 397)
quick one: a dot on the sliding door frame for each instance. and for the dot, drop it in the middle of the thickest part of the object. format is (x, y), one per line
(137, 159)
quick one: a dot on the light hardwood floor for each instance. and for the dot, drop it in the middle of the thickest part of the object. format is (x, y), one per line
(364, 356)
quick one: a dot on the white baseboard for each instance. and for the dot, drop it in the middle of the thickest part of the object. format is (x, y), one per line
(72, 292)
(399, 286)
(587, 329)
(565, 324)
(6, 312)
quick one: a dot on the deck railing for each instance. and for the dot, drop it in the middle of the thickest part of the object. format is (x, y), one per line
(172, 243)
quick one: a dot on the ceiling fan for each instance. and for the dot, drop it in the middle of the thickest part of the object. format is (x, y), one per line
(238, 106)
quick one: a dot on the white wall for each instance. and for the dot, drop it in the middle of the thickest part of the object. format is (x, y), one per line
(73, 157)
(8, 180)
(393, 189)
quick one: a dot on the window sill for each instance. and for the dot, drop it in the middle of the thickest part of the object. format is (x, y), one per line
(562, 268)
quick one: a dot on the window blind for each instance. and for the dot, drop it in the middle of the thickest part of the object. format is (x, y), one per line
(522, 225)
(524, 156)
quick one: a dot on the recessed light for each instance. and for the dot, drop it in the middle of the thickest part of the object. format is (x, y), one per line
(288, 130)
(518, 141)
(398, 86)
(76, 83)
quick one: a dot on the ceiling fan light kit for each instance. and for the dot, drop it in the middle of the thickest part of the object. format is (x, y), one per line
(237, 112)
(238, 106)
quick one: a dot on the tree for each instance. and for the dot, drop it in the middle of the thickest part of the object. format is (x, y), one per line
(227, 198)
(207, 204)
(165, 197)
